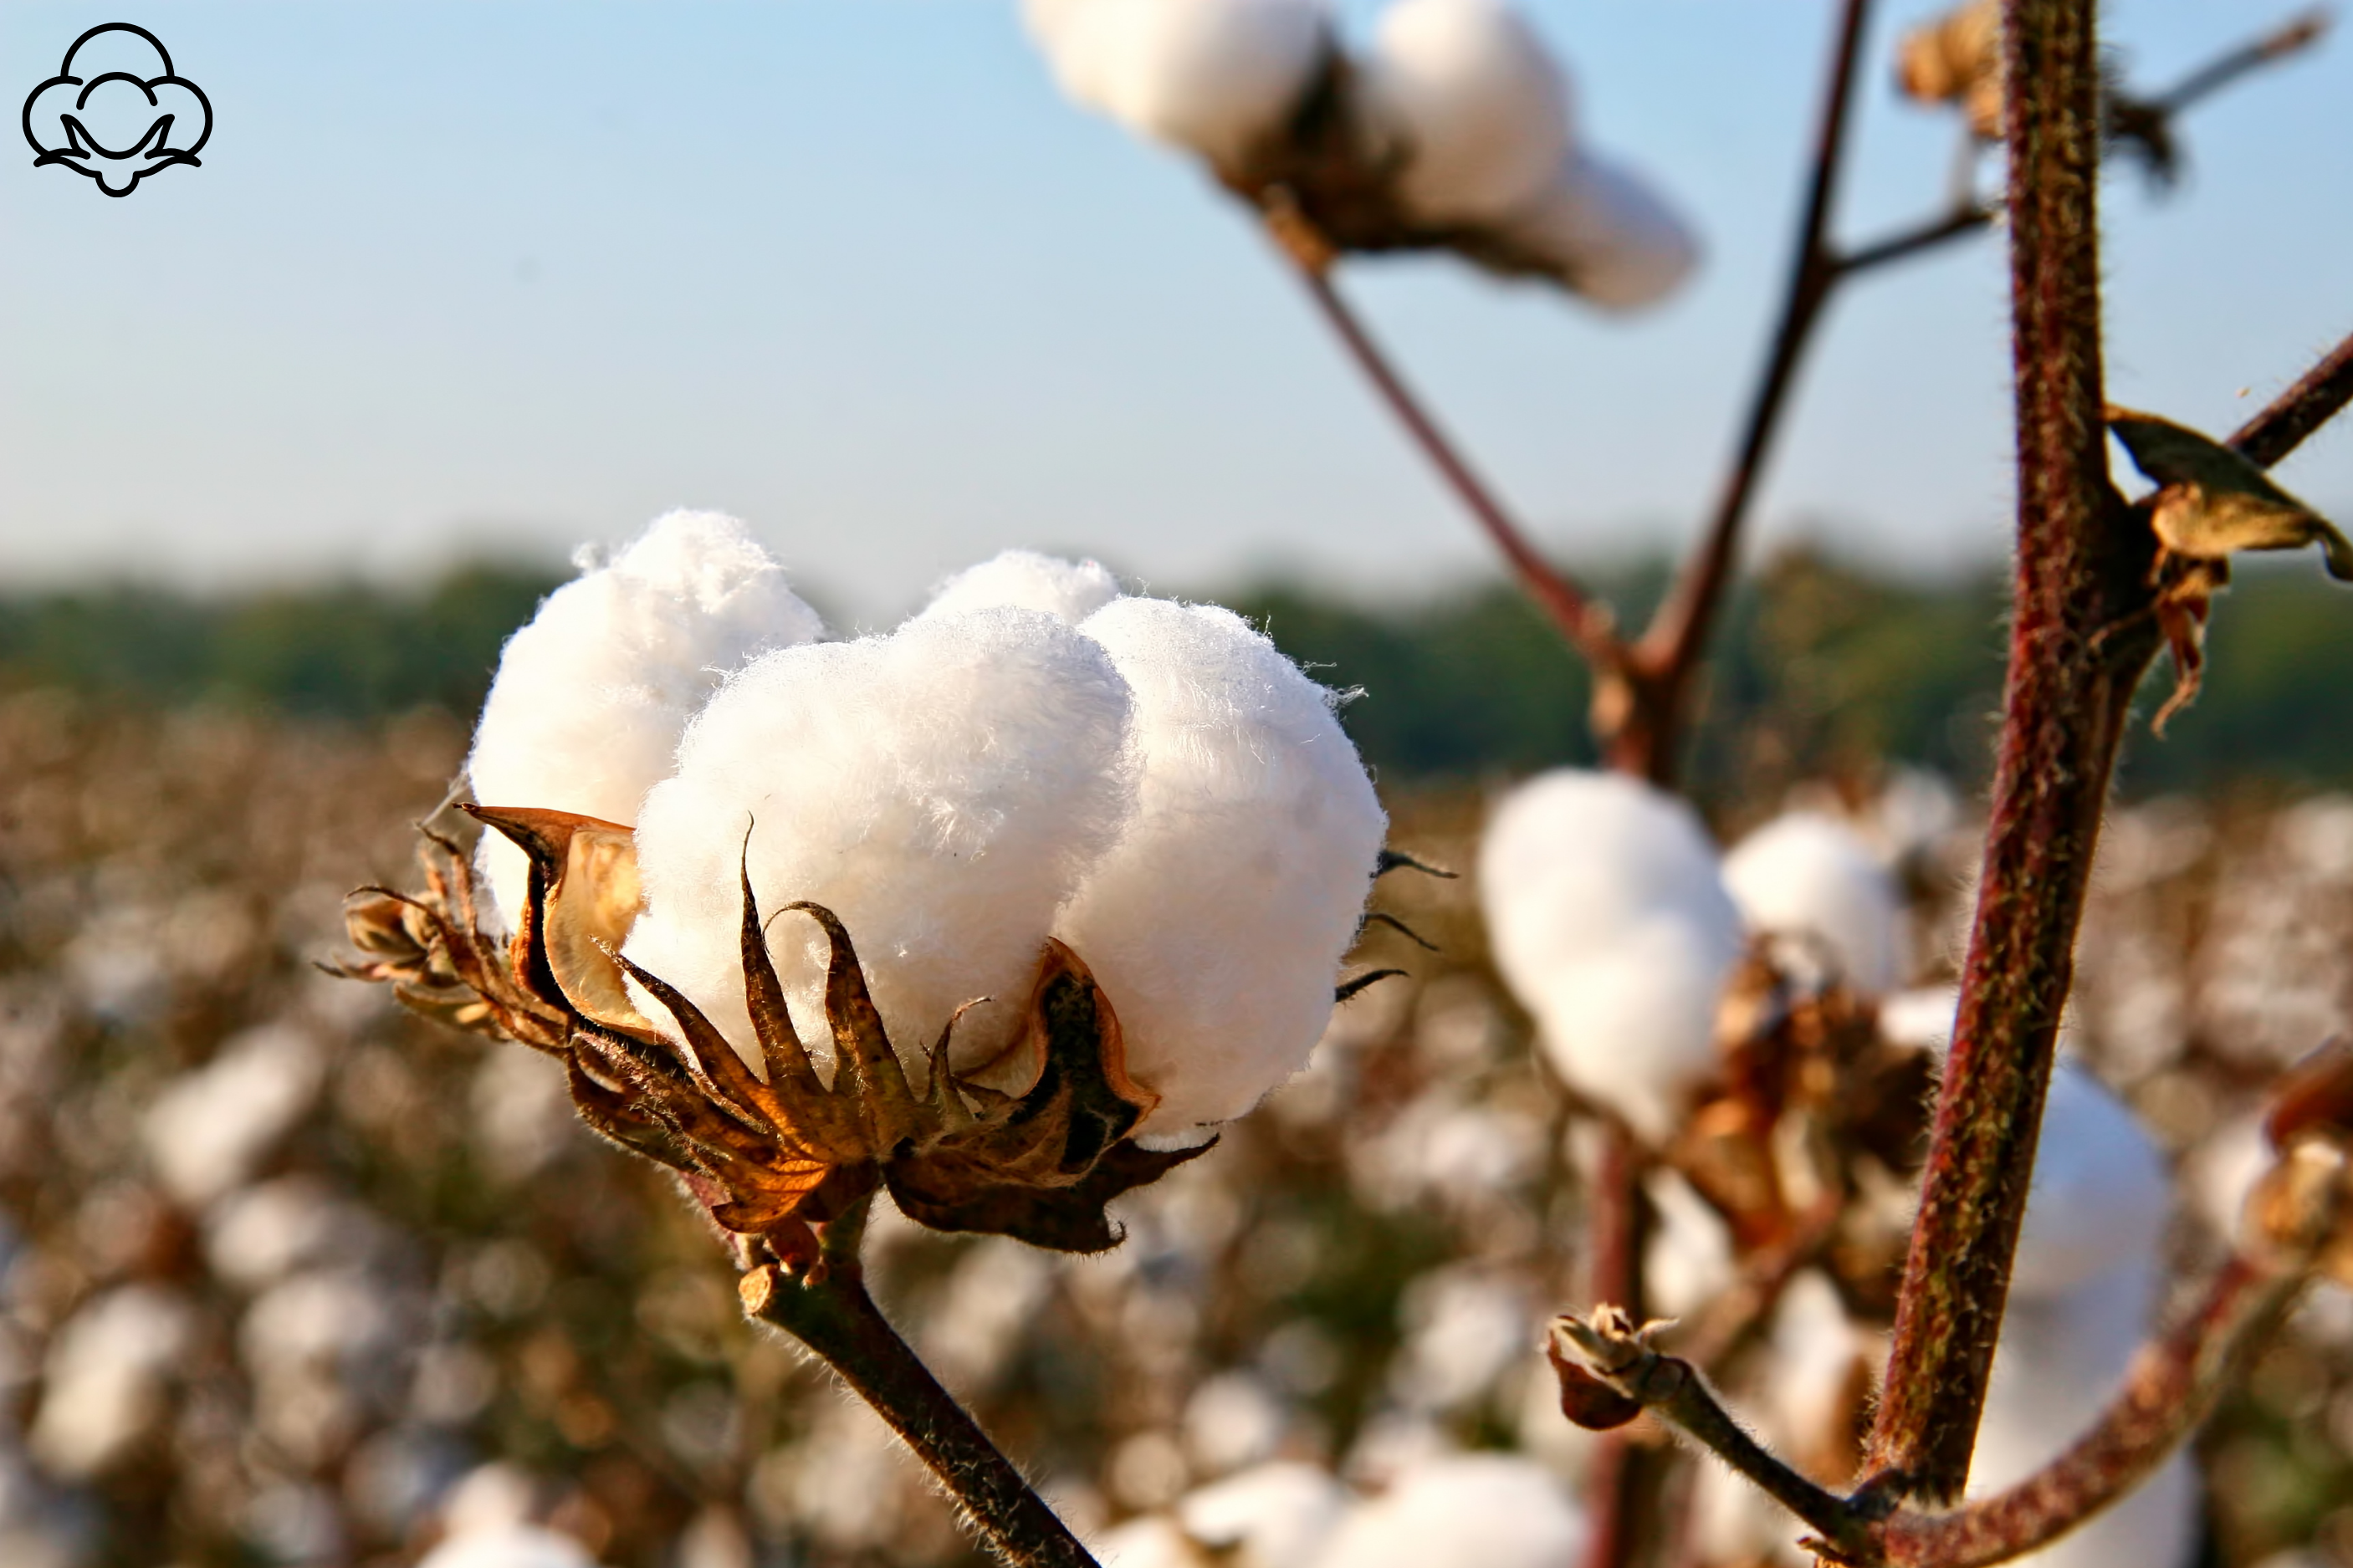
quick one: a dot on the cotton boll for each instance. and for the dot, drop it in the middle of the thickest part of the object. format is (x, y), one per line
(1272, 1516)
(1477, 102)
(1808, 876)
(940, 789)
(508, 1546)
(1688, 1262)
(1210, 76)
(1069, 591)
(1605, 233)
(104, 1382)
(1472, 1510)
(1153, 1541)
(212, 1128)
(2101, 1192)
(1217, 924)
(591, 697)
(2223, 1172)
(1610, 923)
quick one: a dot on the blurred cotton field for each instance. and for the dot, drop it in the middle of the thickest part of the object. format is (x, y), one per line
(292, 1277)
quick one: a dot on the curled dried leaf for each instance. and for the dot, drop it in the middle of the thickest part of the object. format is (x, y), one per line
(2213, 502)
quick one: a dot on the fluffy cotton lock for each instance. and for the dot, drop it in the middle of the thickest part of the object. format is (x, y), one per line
(1609, 921)
(940, 789)
(1808, 876)
(1468, 1511)
(591, 697)
(2101, 1194)
(1069, 591)
(1477, 105)
(1210, 76)
(1217, 922)
(1605, 232)
(1273, 1515)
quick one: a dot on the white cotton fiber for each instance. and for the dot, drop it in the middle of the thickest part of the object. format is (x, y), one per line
(1274, 1515)
(1609, 921)
(1468, 1511)
(1605, 233)
(1477, 104)
(103, 1384)
(940, 789)
(211, 1128)
(2101, 1192)
(1808, 876)
(1069, 591)
(1217, 924)
(592, 696)
(1212, 76)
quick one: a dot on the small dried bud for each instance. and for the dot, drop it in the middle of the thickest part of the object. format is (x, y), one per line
(2213, 502)
(2314, 1096)
(1957, 58)
(2302, 1208)
(1587, 1400)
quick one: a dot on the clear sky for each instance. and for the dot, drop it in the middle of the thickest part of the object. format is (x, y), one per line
(497, 277)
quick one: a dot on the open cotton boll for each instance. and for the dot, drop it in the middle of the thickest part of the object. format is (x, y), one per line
(1809, 876)
(940, 789)
(1217, 924)
(1468, 1510)
(1480, 109)
(1605, 233)
(2100, 1195)
(1069, 591)
(1609, 921)
(1212, 76)
(590, 697)
(1274, 1515)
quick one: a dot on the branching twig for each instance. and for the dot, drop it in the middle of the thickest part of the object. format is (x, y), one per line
(2289, 38)
(830, 1312)
(2318, 396)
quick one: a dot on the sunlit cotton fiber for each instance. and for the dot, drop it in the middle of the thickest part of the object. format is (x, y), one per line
(2101, 1192)
(1212, 76)
(1271, 1516)
(1610, 923)
(1472, 1510)
(1477, 105)
(940, 789)
(591, 697)
(1808, 876)
(1024, 580)
(1217, 922)
(104, 1383)
(1605, 232)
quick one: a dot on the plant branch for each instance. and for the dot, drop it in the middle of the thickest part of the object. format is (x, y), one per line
(2290, 38)
(1670, 650)
(1964, 220)
(2318, 396)
(828, 1310)
(1584, 622)
(1616, 1482)
(2083, 567)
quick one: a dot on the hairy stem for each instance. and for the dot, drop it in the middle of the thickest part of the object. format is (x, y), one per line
(2083, 566)
(2318, 397)
(1669, 651)
(1622, 1474)
(833, 1315)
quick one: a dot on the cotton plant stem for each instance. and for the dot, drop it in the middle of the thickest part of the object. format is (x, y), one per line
(1621, 1474)
(2293, 36)
(836, 1320)
(2083, 566)
(2317, 396)
(1669, 651)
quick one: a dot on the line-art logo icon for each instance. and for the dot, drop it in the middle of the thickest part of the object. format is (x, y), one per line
(116, 110)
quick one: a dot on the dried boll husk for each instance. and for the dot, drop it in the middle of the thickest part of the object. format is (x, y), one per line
(1957, 58)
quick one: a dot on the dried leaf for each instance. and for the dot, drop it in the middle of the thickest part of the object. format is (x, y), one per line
(2213, 502)
(590, 869)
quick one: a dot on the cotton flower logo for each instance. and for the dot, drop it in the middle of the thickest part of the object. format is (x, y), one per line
(117, 112)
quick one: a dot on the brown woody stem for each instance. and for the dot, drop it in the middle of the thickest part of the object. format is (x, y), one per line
(2290, 38)
(1621, 1474)
(2083, 566)
(2318, 397)
(831, 1313)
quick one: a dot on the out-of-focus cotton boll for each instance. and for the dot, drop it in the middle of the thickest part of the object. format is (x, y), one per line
(266, 1232)
(1212, 76)
(940, 789)
(1472, 1510)
(1688, 1262)
(1272, 1516)
(104, 1382)
(1481, 108)
(1809, 877)
(508, 1546)
(2100, 1195)
(1606, 232)
(1610, 923)
(212, 1128)
(591, 697)
(2223, 1173)
(1153, 1541)
(1069, 591)
(1217, 924)
(1922, 1016)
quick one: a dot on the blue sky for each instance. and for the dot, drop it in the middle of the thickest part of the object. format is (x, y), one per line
(497, 277)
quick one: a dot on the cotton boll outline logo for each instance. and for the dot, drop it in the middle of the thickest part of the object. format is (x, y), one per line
(76, 147)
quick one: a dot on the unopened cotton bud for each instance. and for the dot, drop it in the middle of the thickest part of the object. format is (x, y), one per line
(592, 696)
(1610, 923)
(940, 789)
(1605, 233)
(1217, 922)
(2101, 1193)
(1478, 106)
(1470, 1511)
(1809, 876)
(1069, 591)
(1213, 77)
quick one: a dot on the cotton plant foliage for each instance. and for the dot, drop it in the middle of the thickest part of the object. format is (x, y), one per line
(592, 696)
(1611, 924)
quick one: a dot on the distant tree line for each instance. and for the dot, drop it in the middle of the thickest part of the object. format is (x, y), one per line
(1828, 670)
